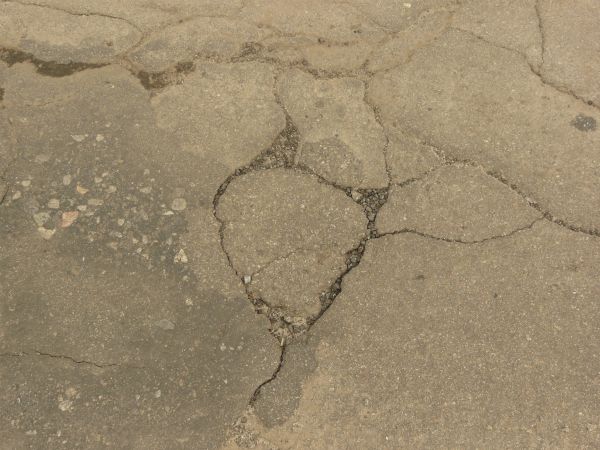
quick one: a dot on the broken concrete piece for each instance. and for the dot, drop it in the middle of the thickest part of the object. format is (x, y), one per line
(400, 48)
(287, 223)
(208, 37)
(54, 35)
(341, 139)
(225, 112)
(521, 128)
(468, 346)
(408, 158)
(506, 23)
(571, 45)
(295, 282)
(460, 203)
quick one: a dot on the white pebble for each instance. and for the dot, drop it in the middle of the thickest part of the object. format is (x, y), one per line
(180, 257)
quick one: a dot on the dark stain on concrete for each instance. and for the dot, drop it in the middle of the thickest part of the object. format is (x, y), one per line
(584, 123)
(48, 68)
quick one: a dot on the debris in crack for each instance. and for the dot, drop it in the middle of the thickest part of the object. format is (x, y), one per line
(371, 200)
(287, 234)
(281, 153)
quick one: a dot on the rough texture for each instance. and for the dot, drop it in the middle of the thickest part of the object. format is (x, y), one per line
(293, 229)
(468, 346)
(100, 313)
(333, 22)
(396, 15)
(402, 46)
(408, 158)
(507, 23)
(222, 112)
(341, 139)
(144, 14)
(459, 203)
(62, 37)
(571, 46)
(207, 37)
(520, 130)
(298, 224)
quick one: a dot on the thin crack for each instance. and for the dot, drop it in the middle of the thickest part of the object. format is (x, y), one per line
(461, 241)
(534, 70)
(72, 13)
(67, 358)
(256, 392)
(280, 154)
(498, 176)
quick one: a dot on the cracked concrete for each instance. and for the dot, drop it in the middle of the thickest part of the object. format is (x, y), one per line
(299, 224)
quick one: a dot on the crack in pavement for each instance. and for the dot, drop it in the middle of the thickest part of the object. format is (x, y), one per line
(501, 178)
(538, 14)
(67, 358)
(536, 72)
(460, 241)
(72, 13)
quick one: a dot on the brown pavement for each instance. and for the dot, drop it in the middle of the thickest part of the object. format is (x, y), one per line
(299, 224)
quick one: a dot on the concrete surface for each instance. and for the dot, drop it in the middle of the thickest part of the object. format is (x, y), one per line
(299, 224)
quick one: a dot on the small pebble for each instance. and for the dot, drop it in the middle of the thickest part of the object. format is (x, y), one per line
(99, 138)
(41, 218)
(25, 183)
(146, 190)
(178, 204)
(68, 217)
(66, 180)
(53, 203)
(165, 324)
(82, 207)
(16, 195)
(180, 257)
(121, 222)
(78, 137)
(111, 189)
(82, 190)
(247, 279)
(46, 234)
(97, 180)
(95, 202)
